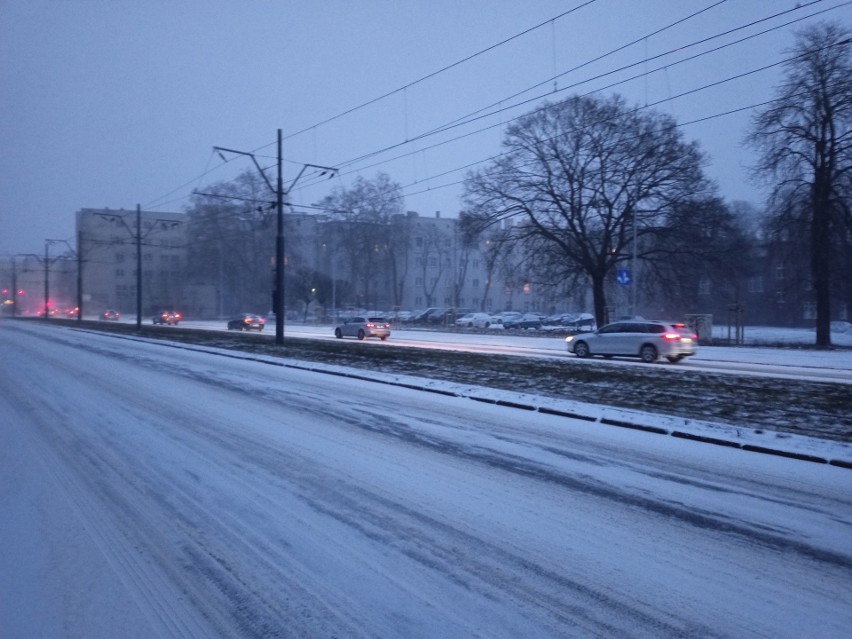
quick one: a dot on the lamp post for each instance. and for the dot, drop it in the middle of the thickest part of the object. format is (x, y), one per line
(279, 191)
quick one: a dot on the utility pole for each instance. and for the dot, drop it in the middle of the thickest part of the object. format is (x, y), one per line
(47, 244)
(278, 297)
(137, 236)
(79, 276)
(280, 257)
(46, 277)
(138, 267)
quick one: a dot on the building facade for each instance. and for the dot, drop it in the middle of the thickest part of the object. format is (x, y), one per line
(118, 249)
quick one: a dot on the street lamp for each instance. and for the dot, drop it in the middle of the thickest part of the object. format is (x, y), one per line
(279, 191)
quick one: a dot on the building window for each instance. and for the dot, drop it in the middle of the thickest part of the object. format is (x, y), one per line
(779, 272)
(755, 285)
(809, 311)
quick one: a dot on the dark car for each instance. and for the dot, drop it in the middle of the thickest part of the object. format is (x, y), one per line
(110, 314)
(423, 317)
(526, 321)
(246, 322)
(167, 317)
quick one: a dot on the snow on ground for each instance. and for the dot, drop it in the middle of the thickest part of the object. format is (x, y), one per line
(160, 490)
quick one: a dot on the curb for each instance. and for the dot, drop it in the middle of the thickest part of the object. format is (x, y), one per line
(840, 463)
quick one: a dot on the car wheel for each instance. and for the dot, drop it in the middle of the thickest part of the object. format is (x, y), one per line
(581, 349)
(674, 359)
(361, 334)
(383, 337)
(337, 333)
(648, 354)
(487, 324)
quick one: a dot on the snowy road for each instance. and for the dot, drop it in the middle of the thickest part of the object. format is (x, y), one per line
(811, 364)
(151, 491)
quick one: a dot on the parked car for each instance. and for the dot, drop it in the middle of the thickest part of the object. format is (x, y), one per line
(526, 321)
(503, 316)
(364, 326)
(649, 340)
(571, 322)
(167, 317)
(474, 320)
(421, 317)
(110, 314)
(246, 322)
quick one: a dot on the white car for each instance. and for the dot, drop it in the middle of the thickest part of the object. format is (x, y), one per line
(649, 340)
(363, 327)
(474, 320)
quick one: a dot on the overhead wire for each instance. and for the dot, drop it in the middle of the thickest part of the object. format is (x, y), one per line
(469, 118)
(691, 91)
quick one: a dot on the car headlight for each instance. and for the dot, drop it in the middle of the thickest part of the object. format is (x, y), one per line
(569, 339)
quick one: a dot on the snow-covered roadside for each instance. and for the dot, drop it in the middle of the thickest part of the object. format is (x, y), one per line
(752, 440)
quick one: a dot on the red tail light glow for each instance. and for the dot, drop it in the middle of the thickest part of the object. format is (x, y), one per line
(672, 336)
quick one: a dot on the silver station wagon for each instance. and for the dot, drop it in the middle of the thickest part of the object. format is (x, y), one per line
(649, 340)
(363, 327)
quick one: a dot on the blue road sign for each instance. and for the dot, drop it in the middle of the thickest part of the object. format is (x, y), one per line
(622, 276)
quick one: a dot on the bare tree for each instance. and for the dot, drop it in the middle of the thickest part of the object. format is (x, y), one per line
(583, 178)
(700, 241)
(231, 225)
(365, 212)
(805, 142)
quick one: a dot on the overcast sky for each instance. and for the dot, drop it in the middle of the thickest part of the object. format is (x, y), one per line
(114, 103)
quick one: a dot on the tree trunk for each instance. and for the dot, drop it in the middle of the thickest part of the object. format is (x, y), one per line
(599, 296)
(821, 260)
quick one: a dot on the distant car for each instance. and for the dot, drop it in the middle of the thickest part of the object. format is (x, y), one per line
(571, 322)
(110, 314)
(422, 317)
(246, 322)
(363, 327)
(649, 340)
(474, 320)
(527, 321)
(167, 317)
(503, 316)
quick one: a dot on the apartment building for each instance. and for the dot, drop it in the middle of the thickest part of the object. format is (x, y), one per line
(119, 248)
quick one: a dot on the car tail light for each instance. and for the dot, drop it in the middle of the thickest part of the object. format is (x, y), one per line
(671, 336)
